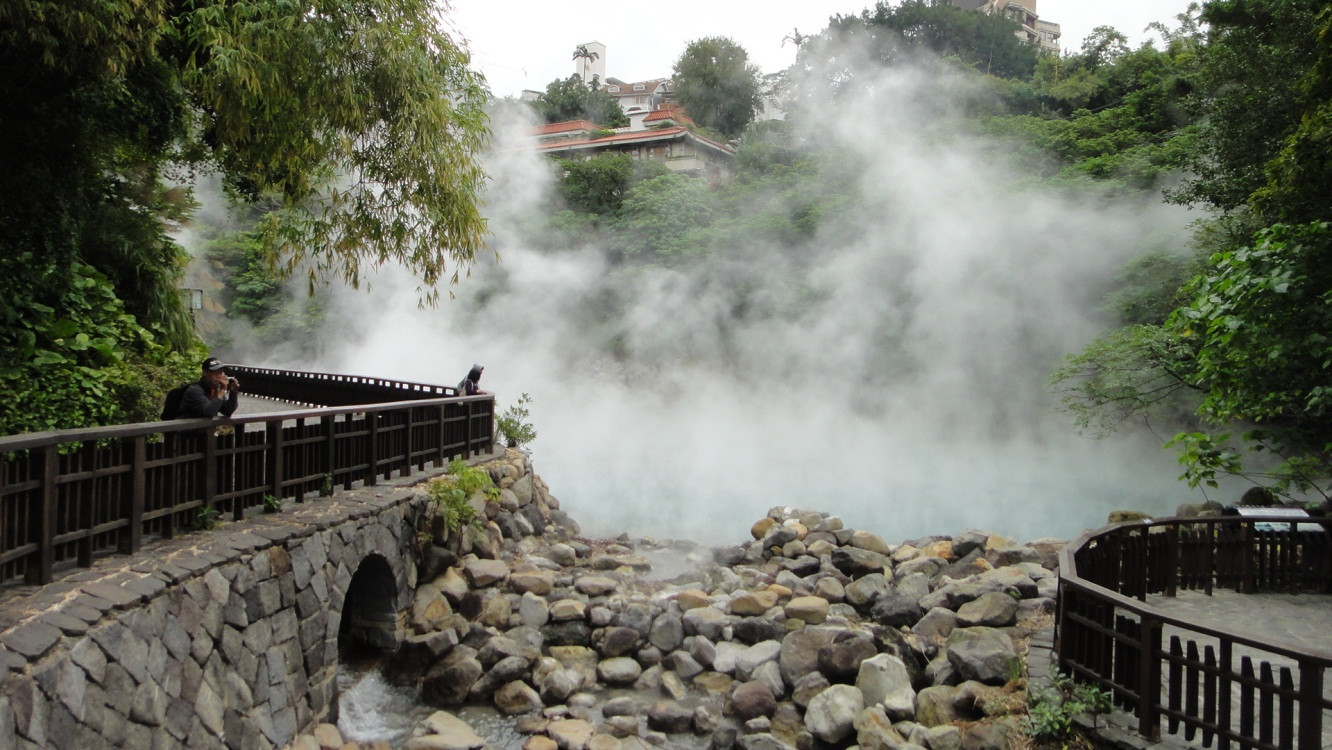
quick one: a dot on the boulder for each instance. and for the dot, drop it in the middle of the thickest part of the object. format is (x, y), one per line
(481, 572)
(983, 654)
(444, 731)
(992, 610)
(840, 659)
(752, 699)
(669, 717)
(885, 682)
(448, 682)
(855, 562)
(750, 603)
(800, 652)
(832, 713)
(934, 706)
(619, 671)
(874, 730)
(808, 609)
(517, 697)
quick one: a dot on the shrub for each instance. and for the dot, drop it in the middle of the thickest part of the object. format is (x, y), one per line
(450, 492)
(513, 424)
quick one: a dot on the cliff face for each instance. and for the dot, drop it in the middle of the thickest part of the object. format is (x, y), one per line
(807, 635)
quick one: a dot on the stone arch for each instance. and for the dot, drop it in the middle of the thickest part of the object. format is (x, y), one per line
(370, 614)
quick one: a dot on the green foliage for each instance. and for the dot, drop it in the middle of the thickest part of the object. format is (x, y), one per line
(598, 185)
(513, 423)
(70, 356)
(571, 99)
(718, 87)
(206, 518)
(1051, 711)
(271, 504)
(1299, 179)
(657, 217)
(450, 492)
(1249, 97)
(1260, 318)
(326, 489)
(255, 290)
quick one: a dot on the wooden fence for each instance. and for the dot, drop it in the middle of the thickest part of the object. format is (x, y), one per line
(69, 496)
(1210, 683)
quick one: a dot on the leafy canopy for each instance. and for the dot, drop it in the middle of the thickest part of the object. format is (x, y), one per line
(571, 99)
(718, 86)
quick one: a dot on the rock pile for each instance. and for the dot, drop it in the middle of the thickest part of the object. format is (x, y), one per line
(810, 636)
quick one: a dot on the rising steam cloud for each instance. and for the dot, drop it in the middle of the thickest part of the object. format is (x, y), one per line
(892, 370)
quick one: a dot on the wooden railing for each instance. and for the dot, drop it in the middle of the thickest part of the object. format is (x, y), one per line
(1236, 688)
(69, 496)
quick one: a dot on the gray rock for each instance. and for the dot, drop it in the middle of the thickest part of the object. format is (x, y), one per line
(558, 685)
(840, 660)
(617, 641)
(619, 671)
(749, 659)
(533, 610)
(768, 672)
(448, 682)
(983, 654)
(885, 682)
(807, 687)
(832, 713)
(800, 652)
(937, 623)
(934, 706)
(670, 717)
(875, 731)
(753, 630)
(992, 609)
(895, 610)
(856, 562)
(705, 621)
(667, 631)
(683, 665)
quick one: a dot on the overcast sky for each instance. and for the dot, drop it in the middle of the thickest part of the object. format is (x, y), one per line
(528, 48)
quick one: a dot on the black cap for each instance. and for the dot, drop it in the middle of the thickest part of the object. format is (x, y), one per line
(212, 364)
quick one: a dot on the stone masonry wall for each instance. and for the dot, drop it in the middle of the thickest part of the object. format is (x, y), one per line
(221, 639)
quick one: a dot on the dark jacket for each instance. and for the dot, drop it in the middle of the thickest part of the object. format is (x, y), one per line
(197, 402)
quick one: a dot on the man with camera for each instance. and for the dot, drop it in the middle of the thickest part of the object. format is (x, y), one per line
(213, 394)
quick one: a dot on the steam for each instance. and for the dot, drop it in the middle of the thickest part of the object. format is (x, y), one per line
(892, 370)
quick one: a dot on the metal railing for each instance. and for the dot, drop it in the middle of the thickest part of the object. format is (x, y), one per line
(1235, 688)
(70, 496)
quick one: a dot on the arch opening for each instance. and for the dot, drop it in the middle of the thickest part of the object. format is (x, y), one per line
(371, 622)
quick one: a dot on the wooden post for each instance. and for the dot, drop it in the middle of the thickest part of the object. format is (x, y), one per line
(1149, 679)
(1246, 558)
(44, 521)
(132, 538)
(275, 468)
(1227, 668)
(1172, 560)
(467, 430)
(1311, 706)
(210, 467)
(328, 424)
(372, 447)
(439, 447)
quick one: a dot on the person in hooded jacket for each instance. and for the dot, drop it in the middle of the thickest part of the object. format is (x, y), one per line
(469, 386)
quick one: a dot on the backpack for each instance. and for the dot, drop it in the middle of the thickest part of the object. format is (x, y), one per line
(171, 405)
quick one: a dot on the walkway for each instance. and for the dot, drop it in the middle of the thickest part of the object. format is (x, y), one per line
(1299, 619)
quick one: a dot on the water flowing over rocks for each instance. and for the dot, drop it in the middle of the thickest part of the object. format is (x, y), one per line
(809, 636)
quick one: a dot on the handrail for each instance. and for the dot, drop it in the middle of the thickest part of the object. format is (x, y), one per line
(1109, 637)
(68, 496)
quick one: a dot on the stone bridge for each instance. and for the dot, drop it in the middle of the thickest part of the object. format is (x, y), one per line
(229, 638)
